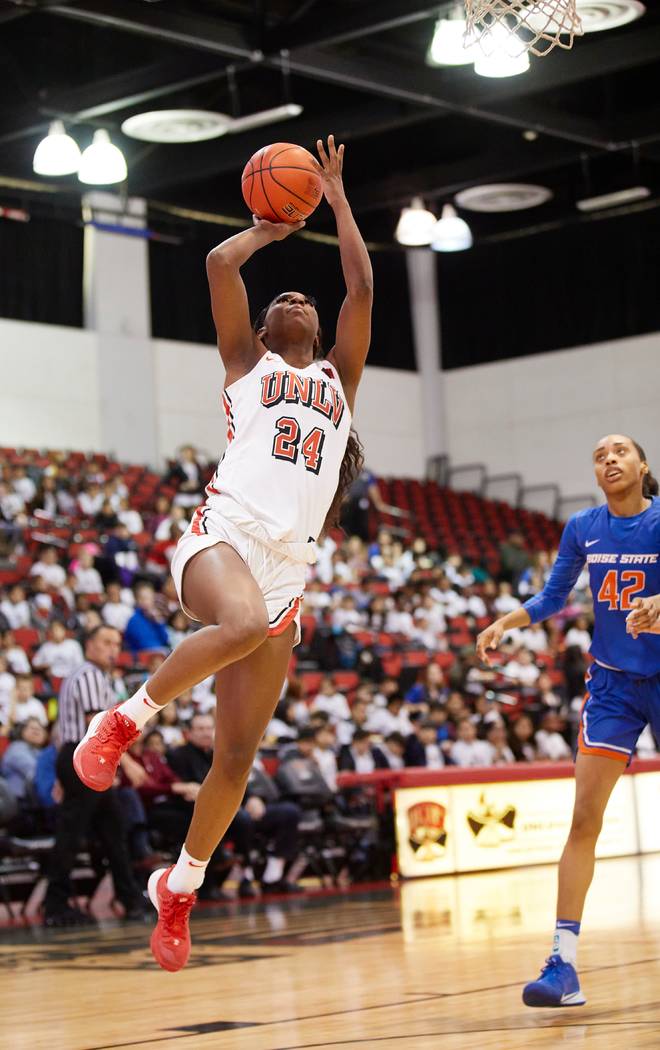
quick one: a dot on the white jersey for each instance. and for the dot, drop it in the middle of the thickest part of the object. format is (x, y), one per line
(287, 430)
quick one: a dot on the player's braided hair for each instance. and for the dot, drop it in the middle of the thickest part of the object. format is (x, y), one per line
(650, 485)
(353, 461)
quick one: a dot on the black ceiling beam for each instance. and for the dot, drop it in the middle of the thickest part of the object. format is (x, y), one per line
(9, 14)
(367, 20)
(478, 96)
(230, 153)
(100, 98)
(536, 116)
(134, 87)
(197, 32)
(443, 180)
(602, 56)
(416, 85)
(419, 86)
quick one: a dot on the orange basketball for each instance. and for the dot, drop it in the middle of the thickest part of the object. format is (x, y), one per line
(281, 183)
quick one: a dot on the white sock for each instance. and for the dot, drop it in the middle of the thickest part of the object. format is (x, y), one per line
(274, 870)
(565, 944)
(139, 707)
(187, 875)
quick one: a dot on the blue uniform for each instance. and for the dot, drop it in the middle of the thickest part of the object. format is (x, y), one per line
(623, 685)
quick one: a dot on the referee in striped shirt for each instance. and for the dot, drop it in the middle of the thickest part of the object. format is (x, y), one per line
(84, 813)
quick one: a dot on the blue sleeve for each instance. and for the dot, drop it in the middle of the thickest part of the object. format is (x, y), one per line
(44, 778)
(18, 761)
(565, 571)
(415, 693)
(131, 640)
(164, 637)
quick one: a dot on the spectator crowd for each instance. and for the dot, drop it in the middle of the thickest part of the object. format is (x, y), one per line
(386, 675)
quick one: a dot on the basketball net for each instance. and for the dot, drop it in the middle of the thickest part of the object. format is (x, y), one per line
(538, 25)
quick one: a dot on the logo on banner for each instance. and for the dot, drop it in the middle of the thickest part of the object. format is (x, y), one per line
(427, 834)
(491, 826)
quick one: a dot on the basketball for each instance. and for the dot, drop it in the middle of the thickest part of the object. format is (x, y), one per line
(281, 183)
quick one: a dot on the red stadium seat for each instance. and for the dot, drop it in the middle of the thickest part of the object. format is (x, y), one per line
(364, 638)
(308, 628)
(444, 660)
(271, 764)
(9, 576)
(27, 637)
(346, 680)
(392, 664)
(416, 658)
(145, 655)
(311, 681)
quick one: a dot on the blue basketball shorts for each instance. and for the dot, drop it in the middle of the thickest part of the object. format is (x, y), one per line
(615, 710)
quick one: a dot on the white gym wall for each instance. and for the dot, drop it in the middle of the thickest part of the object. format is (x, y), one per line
(540, 416)
(59, 382)
(111, 387)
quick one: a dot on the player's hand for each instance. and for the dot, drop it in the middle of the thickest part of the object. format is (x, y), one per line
(645, 615)
(489, 639)
(277, 231)
(330, 170)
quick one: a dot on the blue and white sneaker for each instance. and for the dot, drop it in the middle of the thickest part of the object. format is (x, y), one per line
(558, 985)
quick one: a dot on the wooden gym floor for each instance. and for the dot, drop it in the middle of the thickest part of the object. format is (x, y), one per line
(436, 963)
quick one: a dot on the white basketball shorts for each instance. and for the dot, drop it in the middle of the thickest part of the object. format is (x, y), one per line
(281, 580)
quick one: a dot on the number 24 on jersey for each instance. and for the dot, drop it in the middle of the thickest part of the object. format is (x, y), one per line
(286, 444)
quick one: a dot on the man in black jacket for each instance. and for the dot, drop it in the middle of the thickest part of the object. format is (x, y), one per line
(275, 821)
(422, 748)
(361, 756)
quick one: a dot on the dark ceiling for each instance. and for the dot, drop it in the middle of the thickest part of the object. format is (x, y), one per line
(359, 70)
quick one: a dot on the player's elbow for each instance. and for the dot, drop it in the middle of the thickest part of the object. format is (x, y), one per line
(362, 289)
(217, 259)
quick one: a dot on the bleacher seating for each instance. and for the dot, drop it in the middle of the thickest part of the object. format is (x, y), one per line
(451, 523)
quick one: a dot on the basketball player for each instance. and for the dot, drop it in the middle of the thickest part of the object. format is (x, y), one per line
(240, 567)
(620, 542)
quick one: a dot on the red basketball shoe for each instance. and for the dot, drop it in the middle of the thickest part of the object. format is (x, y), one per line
(96, 758)
(170, 941)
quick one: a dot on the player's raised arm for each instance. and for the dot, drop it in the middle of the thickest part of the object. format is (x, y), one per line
(238, 345)
(354, 323)
(565, 571)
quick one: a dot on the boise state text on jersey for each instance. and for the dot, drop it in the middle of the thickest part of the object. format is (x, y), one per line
(623, 557)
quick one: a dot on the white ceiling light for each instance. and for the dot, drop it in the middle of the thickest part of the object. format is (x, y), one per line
(265, 116)
(502, 197)
(416, 225)
(451, 234)
(500, 53)
(198, 125)
(598, 15)
(449, 47)
(102, 164)
(57, 154)
(612, 200)
(595, 15)
(176, 125)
